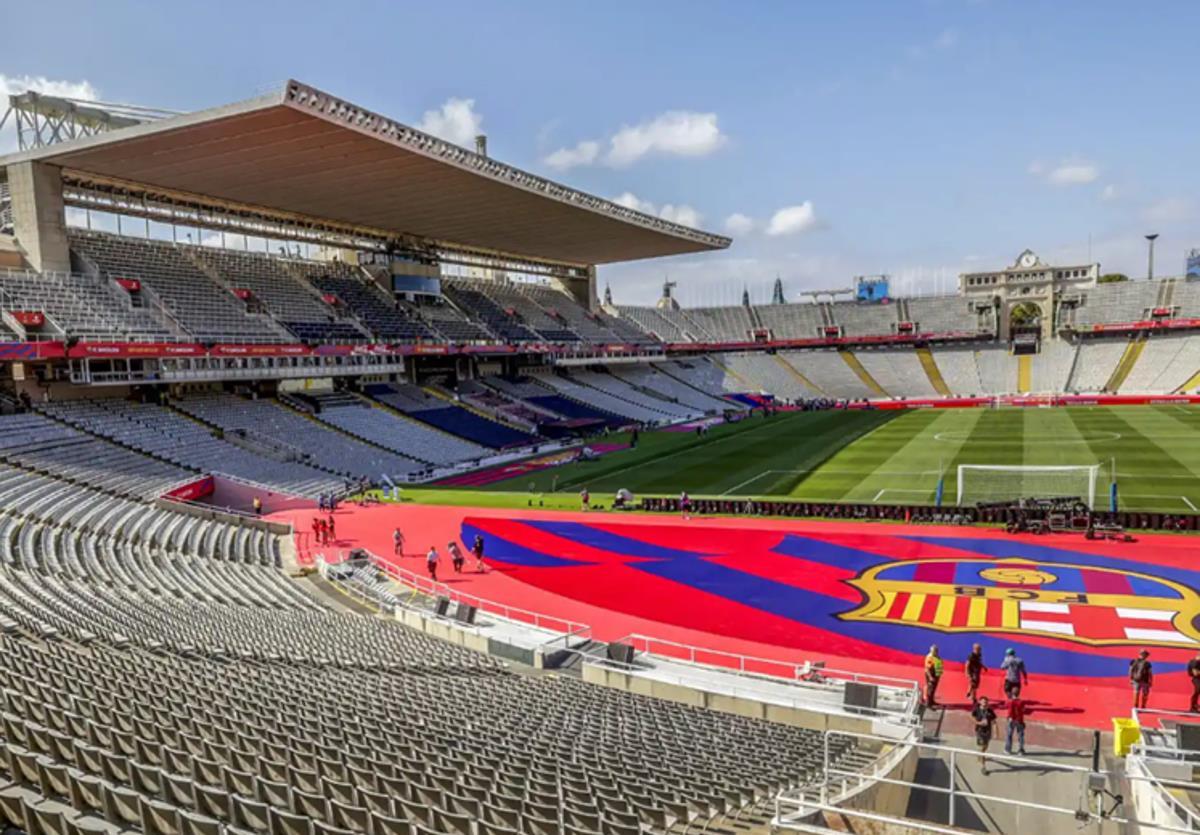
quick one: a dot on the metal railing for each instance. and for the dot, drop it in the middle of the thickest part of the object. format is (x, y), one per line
(766, 670)
(432, 588)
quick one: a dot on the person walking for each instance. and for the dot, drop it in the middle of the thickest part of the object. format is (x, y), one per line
(585, 499)
(1015, 675)
(1141, 678)
(975, 670)
(933, 675)
(456, 557)
(398, 542)
(985, 728)
(1017, 708)
(431, 563)
(331, 526)
(477, 549)
(1193, 671)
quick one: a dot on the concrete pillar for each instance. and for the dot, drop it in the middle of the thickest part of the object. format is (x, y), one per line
(583, 289)
(39, 218)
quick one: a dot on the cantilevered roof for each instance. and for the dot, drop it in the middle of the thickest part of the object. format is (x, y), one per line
(306, 152)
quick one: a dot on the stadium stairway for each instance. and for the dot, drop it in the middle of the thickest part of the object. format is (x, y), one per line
(863, 374)
(1192, 384)
(1137, 344)
(795, 372)
(1024, 373)
(925, 356)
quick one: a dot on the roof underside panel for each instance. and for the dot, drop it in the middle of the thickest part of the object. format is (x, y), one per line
(312, 160)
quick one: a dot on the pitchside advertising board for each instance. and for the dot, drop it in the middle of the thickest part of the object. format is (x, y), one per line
(1193, 264)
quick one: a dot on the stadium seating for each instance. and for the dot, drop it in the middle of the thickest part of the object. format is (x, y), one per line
(325, 447)
(472, 296)
(407, 437)
(1124, 301)
(1097, 360)
(898, 371)
(613, 396)
(1168, 361)
(40, 444)
(654, 379)
(791, 321)
(170, 436)
(209, 312)
(997, 370)
(656, 322)
(370, 304)
(766, 374)
(1051, 367)
(863, 319)
(450, 323)
(828, 372)
(941, 314)
(451, 417)
(512, 297)
(542, 395)
(292, 303)
(203, 735)
(959, 370)
(732, 324)
(81, 306)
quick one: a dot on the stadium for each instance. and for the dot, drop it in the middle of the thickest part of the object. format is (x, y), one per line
(704, 550)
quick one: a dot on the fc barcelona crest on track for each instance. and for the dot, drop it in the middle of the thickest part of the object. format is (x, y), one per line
(1083, 604)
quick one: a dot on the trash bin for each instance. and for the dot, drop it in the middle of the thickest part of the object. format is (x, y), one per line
(1126, 734)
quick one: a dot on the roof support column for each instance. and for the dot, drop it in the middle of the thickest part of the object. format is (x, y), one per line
(582, 289)
(39, 218)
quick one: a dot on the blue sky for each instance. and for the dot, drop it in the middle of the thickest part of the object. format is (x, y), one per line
(914, 138)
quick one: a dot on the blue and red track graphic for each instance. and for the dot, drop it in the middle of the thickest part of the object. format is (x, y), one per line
(884, 597)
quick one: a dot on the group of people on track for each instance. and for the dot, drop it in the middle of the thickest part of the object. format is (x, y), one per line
(983, 713)
(432, 557)
(1016, 677)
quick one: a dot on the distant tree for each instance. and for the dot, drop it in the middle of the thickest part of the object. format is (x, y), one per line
(1112, 278)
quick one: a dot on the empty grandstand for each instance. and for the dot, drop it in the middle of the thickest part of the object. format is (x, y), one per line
(183, 422)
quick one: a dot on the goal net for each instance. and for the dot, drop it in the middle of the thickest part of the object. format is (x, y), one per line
(984, 483)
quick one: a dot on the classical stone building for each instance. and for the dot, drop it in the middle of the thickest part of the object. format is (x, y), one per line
(1028, 281)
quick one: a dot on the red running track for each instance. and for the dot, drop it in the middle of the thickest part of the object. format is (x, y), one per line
(861, 596)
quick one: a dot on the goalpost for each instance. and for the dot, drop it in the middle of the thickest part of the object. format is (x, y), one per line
(982, 483)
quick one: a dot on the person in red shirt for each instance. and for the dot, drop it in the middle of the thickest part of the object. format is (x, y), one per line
(1016, 725)
(316, 528)
(329, 524)
(321, 531)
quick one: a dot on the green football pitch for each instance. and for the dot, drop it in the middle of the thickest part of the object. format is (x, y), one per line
(898, 457)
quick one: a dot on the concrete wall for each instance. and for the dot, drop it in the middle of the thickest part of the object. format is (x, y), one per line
(39, 218)
(800, 717)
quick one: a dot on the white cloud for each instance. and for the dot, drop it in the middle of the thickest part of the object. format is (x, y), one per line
(585, 153)
(1074, 172)
(684, 215)
(14, 84)
(631, 201)
(456, 121)
(1108, 193)
(674, 133)
(739, 224)
(681, 214)
(792, 220)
